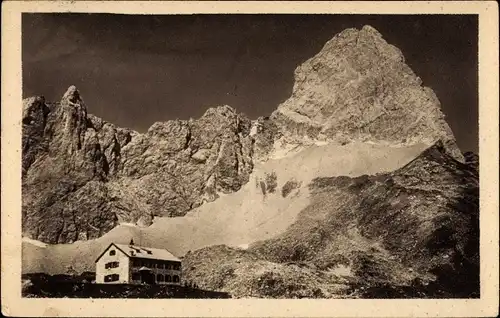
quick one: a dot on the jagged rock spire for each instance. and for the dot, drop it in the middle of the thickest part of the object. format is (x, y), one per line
(72, 95)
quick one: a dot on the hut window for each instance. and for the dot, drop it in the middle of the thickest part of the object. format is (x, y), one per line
(111, 265)
(112, 252)
(168, 278)
(111, 278)
(176, 279)
(160, 278)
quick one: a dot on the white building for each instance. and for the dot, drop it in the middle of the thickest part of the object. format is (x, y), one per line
(131, 264)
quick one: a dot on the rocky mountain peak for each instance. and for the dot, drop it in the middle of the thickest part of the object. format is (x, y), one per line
(71, 125)
(35, 113)
(91, 175)
(223, 110)
(78, 167)
(358, 88)
(336, 219)
(72, 95)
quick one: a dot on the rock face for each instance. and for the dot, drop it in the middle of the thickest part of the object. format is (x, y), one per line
(410, 233)
(359, 88)
(64, 170)
(178, 165)
(82, 175)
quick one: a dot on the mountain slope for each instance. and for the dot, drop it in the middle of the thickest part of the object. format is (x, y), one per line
(257, 211)
(353, 187)
(414, 230)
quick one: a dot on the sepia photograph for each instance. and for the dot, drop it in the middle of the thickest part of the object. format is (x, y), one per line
(249, 156)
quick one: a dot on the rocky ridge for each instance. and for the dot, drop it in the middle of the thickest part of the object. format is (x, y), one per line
(82, 175)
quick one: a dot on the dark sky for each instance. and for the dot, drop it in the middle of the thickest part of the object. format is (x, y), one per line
(133, 70)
